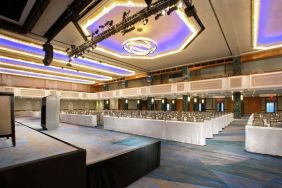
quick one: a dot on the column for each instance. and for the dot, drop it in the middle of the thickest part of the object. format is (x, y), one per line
(237, 65)
(107, 104)
(185, 73)
(237, 105)
(186, 101)
(164, 104)
(150, 103)
(173, 104)
(139, 105)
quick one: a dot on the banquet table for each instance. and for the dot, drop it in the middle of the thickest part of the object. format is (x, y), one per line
(186, 132)
(28, 114)
(264, 140)
(77, 119)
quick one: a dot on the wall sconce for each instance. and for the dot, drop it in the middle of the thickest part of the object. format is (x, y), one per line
(232, 97)
(242, 97)
(163, 101)
(203, 101)
(138, 101)
(126, 101)
(195, 100)
(152, 100)
(107, 101)
(172, 101)
(188, 98)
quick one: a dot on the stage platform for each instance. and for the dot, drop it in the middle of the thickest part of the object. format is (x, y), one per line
(112, 159)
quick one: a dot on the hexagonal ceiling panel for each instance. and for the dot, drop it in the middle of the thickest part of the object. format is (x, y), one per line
(170, 33)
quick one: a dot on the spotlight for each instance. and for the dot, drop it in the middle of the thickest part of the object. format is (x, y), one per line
(125, 14)
(69, 64)
(145, 21)
(72, 46)
(191, 11)
(68, 49)
(158, 15)
(96, 31)
(148, 2)
(109, 23)
(170, 10)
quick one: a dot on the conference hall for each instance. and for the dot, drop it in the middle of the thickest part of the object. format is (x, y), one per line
(140, 93)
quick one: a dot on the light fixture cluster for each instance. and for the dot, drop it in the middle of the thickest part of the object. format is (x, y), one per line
(160, 7)
(140, 46)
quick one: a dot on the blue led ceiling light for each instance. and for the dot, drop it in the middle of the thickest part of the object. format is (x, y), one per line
(52, 69)
(24, 48)
(267, 27)
(42, 76)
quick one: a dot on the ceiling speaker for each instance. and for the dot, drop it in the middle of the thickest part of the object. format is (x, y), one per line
(48, 58)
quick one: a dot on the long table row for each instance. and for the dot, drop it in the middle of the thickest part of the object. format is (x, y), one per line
(78, 119)
(263, 140)
(186, 132)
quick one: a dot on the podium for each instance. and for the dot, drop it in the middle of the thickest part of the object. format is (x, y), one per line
(7, 118)
(50, 112)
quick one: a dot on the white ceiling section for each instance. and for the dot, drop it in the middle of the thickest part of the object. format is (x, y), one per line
(53, 11)
(235, 19)
(228, 33)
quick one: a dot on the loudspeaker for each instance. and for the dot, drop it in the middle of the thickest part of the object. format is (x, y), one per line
(148, 2)
(48, 58)
(191, 11)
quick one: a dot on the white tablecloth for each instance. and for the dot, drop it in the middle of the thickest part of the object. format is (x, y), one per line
(28, 114)
(264, 140)
(85, 120)
(186, 132)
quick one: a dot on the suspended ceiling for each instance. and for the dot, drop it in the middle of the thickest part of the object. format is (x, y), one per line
(232, 28)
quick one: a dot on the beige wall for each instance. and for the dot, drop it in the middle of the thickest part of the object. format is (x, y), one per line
(19, 81)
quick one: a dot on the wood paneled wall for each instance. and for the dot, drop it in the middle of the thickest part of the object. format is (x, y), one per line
(252, 105)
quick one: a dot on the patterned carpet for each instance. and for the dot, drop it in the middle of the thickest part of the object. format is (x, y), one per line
(30, 145)
(223, 162)
(100, 144)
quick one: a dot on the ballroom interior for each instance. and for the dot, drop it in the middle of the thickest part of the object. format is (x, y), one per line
(140, 93)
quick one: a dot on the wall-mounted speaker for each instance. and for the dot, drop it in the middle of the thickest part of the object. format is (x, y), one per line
(48, 58)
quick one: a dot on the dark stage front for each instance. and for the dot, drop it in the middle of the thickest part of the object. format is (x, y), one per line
(101, 158)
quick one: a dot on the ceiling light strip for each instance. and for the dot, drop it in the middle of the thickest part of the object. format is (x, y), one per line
(26, 48)
(42, 76)
(50, 69)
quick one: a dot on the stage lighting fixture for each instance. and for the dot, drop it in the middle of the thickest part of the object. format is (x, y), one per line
(170, 10)
(125, 14)
(96, 31)
(191, 11)
(72, 46)
(145, 21)
(101, 26)
(148, 2)
(109, 23)
(158, 15)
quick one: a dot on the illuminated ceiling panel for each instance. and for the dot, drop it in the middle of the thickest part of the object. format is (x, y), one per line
(172, 33)
(267, 27)
(17, 63)
(25, 48)
(42, 76)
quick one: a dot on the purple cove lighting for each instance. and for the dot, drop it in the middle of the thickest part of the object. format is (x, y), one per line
(265, 17)
(13, 45)
(42, 76)
(166, 43)
(51, 68)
